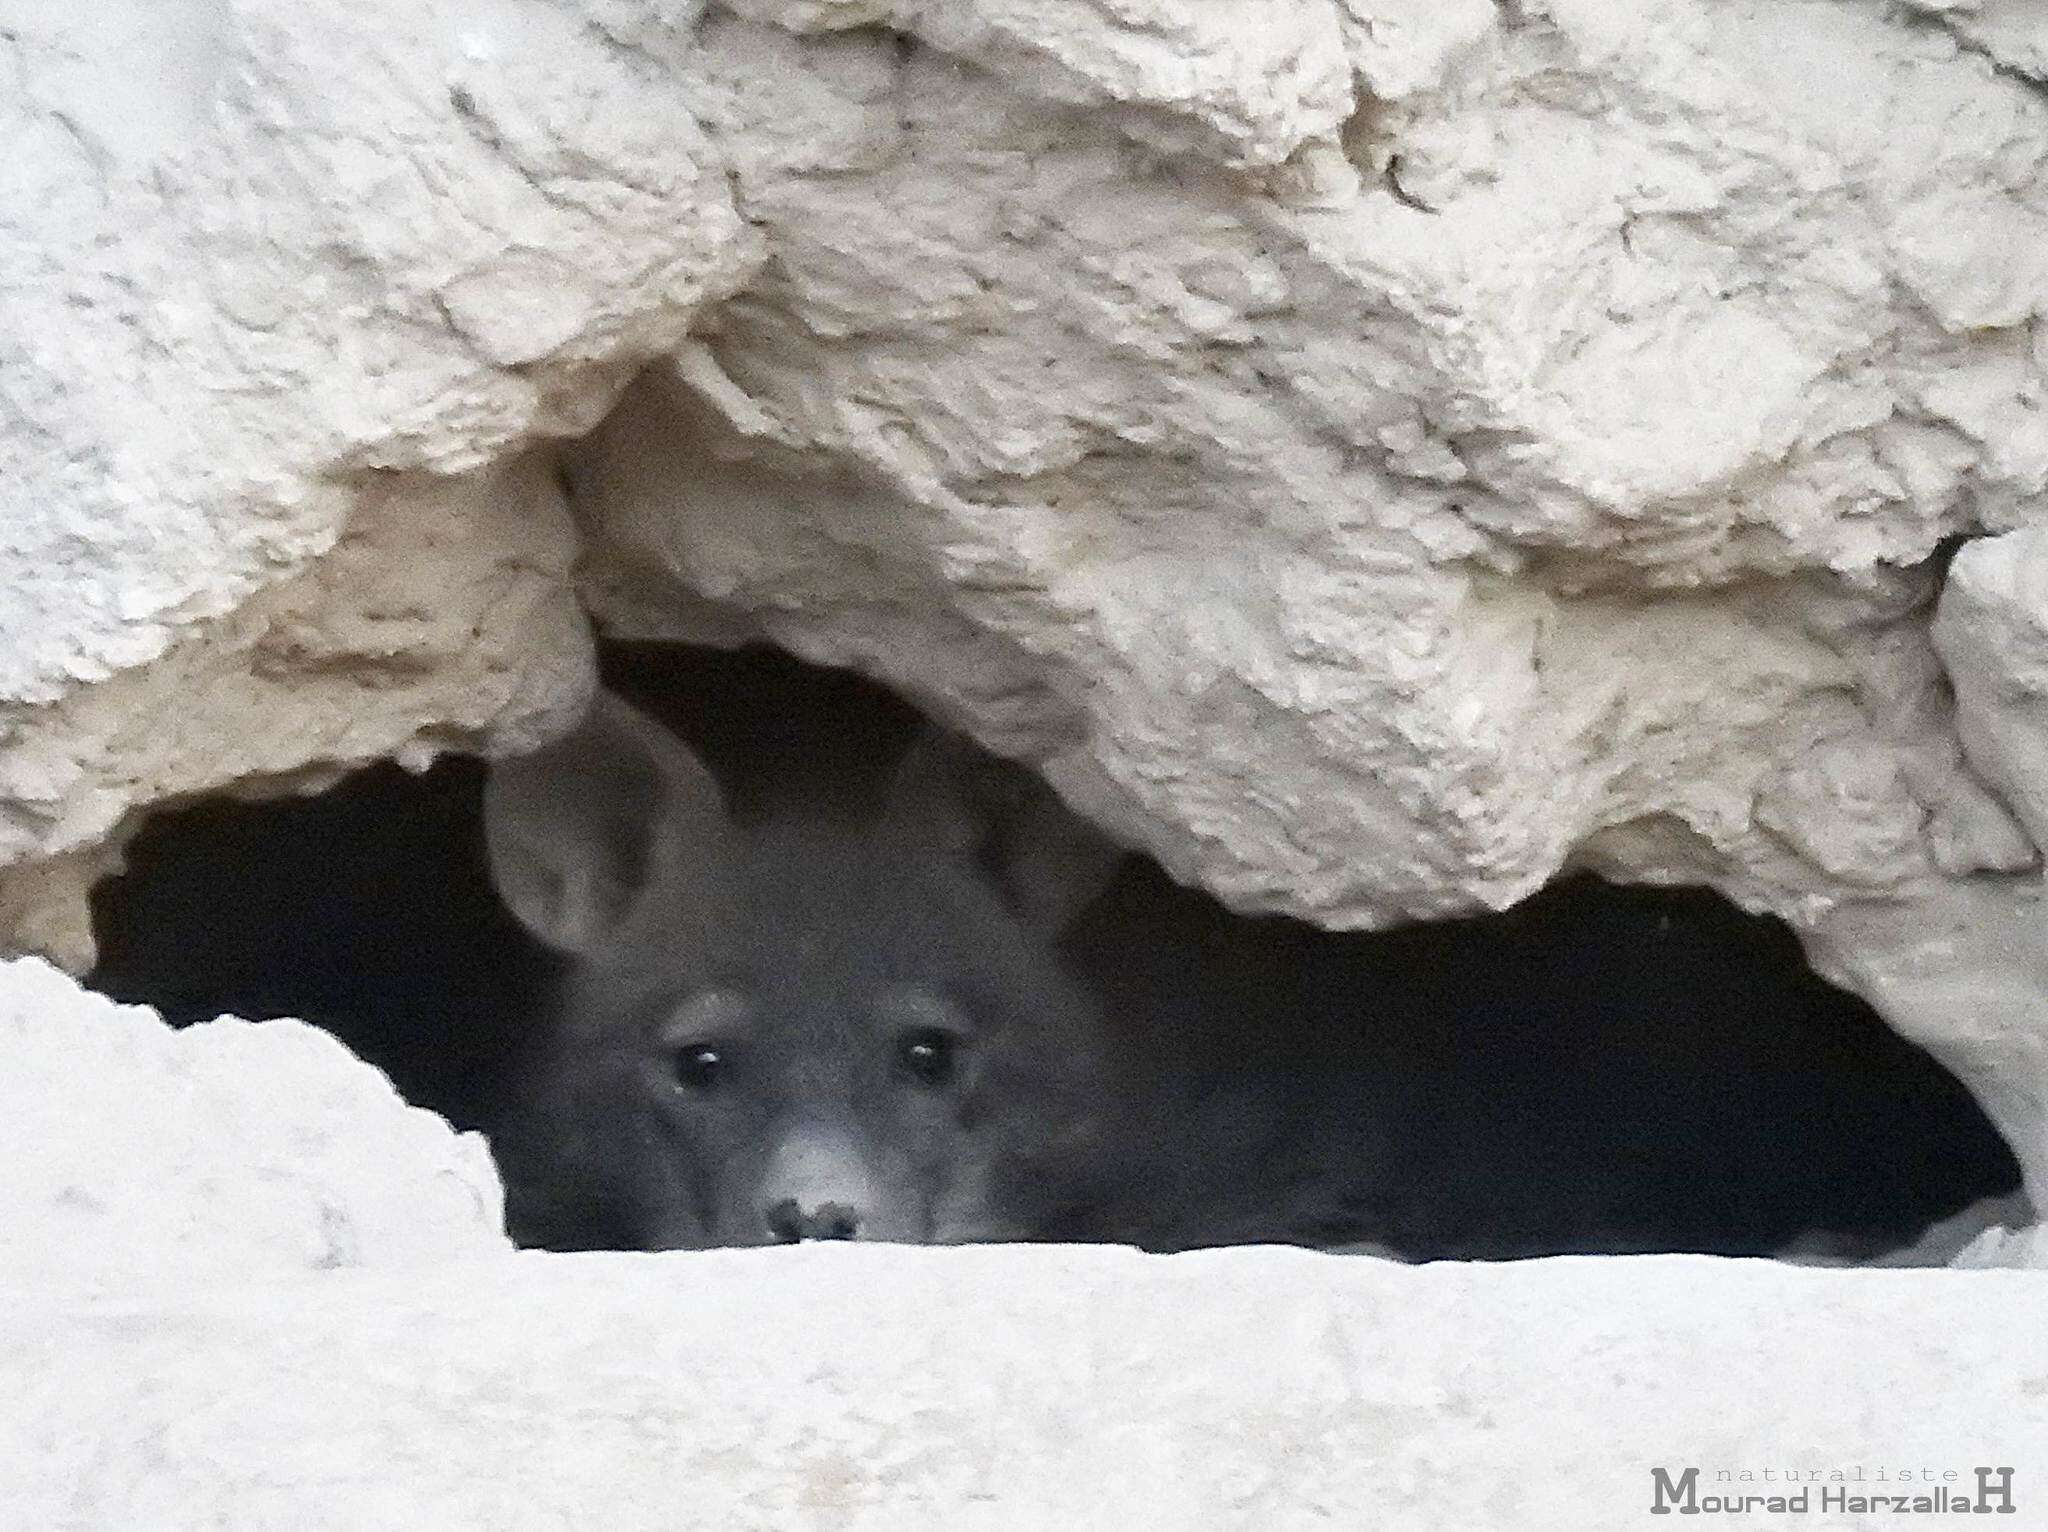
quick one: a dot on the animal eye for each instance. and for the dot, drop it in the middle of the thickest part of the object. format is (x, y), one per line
(927, 1054)
(697, 1065)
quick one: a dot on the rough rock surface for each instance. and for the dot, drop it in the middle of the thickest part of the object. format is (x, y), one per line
(270, 282)
(1010, 1388)
(141, 1159)
(1373, 457)
(243, 1287)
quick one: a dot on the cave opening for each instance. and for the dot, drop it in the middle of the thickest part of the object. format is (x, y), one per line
(1600, 1069)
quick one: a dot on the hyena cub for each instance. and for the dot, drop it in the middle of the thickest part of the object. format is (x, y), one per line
(795, 1029)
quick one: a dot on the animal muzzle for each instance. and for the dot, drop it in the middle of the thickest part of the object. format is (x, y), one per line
(821, 1184)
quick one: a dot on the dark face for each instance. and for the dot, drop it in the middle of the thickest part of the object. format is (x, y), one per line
(795, 1032)
(840, 1043)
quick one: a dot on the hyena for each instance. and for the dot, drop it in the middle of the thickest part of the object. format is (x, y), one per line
(801, 1028)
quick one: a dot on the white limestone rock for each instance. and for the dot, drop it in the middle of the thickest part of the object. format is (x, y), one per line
(442, 617)
(878, 1388)
(256, 254)
(1564, 485)
(1992, 633)
(268, 276)
(1182, 75)
(1373, 455)
(141, 1159)
(2013, 33)
(1530, 492)
(2003, 1248)
(243, 1287)
(1545, 496)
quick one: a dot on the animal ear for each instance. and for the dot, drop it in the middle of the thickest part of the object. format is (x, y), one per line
(953, 799)
(581, 829)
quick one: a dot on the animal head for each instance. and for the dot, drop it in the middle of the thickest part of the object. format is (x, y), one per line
(793, 1030)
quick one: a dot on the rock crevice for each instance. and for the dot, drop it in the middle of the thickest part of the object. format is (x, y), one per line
(1373, 459)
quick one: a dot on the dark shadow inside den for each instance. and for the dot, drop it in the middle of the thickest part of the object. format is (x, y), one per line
(1599, 1069)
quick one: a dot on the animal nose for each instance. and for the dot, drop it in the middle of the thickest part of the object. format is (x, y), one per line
(789, 1222)
(818, 1184)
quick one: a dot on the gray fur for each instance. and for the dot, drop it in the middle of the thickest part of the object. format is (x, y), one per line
(1460, 1091)
(814, 961)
